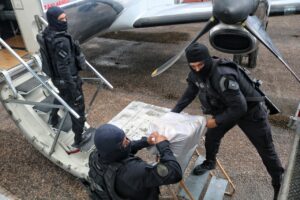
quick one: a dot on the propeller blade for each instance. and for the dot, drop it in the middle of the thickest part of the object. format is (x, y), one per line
(254, 26)
(211, 23)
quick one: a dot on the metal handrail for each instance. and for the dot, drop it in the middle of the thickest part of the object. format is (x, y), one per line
(33, 103)
(58, 134)
(39, 79)
(9, 82)
(44, 22)
(16, 70)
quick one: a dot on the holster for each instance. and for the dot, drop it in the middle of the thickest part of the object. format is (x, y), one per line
(271, 106)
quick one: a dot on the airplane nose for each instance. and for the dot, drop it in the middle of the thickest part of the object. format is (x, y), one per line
(232, 11)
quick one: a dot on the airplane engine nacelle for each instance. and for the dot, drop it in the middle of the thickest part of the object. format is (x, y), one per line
(233, 39)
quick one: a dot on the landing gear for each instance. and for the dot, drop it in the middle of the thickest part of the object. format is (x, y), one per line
(250, 58)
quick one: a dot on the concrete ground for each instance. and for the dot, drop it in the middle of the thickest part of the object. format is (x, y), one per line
(127, 59)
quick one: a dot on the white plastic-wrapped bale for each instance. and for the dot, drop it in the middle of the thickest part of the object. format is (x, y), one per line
(183, 131)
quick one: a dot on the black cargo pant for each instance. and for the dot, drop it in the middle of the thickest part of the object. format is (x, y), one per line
(79, 107)
(257, 128)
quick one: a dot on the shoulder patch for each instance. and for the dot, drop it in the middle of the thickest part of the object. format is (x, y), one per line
(162, 170)
(233, 85)
(62, 53)
(226, 83)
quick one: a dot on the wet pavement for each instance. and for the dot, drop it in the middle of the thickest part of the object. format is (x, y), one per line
(127, 60)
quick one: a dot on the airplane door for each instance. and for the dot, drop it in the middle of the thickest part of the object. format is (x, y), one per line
(25, 11)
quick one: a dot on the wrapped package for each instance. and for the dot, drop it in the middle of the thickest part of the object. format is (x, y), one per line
(183, 131)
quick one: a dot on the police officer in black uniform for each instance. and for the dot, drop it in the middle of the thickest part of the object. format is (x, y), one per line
(231, 99)
(116, 174)
(66, 60)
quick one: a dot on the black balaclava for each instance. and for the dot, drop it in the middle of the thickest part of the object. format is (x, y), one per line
(54, 23)
(108, 140)
(198, 52)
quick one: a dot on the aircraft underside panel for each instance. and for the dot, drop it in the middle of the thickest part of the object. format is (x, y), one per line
(87, 18)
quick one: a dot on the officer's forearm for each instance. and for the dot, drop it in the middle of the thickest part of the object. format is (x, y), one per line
(65, 74)
(187, 97)
(137, 145)
(166, 153)
(167, 158)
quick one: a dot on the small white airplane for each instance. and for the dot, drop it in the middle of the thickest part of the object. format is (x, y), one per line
(235, 27)
(27, 94)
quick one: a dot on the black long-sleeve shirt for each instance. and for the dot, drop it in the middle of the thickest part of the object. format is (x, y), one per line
(233, 101)
(61, 50)
(138, 180)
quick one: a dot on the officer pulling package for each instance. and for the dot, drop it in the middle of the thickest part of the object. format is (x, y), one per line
(183, 132)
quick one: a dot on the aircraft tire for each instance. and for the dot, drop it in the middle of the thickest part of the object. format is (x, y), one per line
(252, 58)
(238, 59)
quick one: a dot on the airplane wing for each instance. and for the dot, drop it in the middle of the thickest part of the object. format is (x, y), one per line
(158, 13)
(167, 12)
(175, 14)
(87, 18)
(284, 7)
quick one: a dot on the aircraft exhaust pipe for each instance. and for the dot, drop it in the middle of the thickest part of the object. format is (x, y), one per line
(232, 39)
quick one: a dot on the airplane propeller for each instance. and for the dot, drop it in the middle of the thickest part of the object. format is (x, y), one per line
(229, 12)
(209, 25)
(253, 25)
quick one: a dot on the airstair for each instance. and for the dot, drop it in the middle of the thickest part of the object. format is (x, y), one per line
(28, 94)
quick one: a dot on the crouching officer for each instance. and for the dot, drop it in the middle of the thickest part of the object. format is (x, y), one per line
(227, 94)
(62, 61)
(116, 174)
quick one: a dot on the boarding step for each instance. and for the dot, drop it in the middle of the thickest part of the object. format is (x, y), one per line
(30, 85)
(45, 109)
(67, 125)
(88, 146)
(196, 185)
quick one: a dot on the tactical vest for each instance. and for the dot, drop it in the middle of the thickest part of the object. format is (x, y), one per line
(47, 48)
(210, 90)
(47, 65)
(102, 177)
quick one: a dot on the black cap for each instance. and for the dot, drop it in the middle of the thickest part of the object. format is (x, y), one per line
(108, 139)
(52, 17)
(197, 52)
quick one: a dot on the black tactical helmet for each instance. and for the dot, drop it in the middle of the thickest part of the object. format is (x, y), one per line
(197, 52)
(108, 141)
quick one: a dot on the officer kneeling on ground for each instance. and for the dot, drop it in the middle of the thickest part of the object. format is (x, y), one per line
(62, 60)
(116, 174)
(228, 95)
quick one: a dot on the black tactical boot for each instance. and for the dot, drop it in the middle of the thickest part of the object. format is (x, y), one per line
(276, 191)
(53, 119)
(85, 138)
(204, 167)
(276, 183)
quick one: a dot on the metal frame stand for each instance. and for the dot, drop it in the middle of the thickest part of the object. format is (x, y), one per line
(187, 191)
(230, 193)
